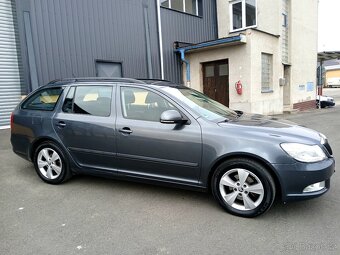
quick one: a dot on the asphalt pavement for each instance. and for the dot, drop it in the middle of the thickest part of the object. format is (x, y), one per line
(89, 215)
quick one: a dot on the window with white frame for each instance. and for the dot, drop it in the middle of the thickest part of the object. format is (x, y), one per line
(267, 72)
(242, 14)
(187, 6)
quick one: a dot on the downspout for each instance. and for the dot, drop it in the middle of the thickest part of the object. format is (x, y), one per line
(160, 39)
(187, 66)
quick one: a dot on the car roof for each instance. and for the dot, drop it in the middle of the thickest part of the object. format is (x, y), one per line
(101, 80)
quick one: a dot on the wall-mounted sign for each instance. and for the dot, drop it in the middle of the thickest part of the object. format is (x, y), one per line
(302, 87)
(310, 86)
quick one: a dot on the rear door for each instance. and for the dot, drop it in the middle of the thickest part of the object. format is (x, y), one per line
(149, 149)
(85, 125)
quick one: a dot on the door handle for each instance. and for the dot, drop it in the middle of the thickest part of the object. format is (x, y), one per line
(125, 130)
(61, 124)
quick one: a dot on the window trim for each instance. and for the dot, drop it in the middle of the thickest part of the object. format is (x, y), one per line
(244, 17)
(39, 91)
(184, 9)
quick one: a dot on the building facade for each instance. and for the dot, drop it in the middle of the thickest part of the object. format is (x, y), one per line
(53, 39)
(11, 71)
(257, 42)
(332, 76)
(271, 52)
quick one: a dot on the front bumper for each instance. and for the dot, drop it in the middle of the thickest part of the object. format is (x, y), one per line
(294, 178)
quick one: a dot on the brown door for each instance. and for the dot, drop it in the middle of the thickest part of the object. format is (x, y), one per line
(216, 81)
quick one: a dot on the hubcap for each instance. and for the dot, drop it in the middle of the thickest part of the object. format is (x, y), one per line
(241, 189)
(49, 163)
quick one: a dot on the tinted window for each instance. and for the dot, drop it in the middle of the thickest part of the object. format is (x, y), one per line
(90, 100)
(141, 104)
(44, 100)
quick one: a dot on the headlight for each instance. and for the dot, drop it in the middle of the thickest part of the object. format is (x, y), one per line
(304, 152)
(323, 138)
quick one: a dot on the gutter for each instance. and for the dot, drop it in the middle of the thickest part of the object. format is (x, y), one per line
(241, 38)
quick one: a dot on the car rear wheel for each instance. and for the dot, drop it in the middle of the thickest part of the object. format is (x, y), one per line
(50, 163)
(243, 187)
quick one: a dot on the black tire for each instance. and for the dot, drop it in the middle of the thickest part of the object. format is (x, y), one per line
(62, 162)
(257, 174)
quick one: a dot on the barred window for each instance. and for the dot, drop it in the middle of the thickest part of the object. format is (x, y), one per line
(267, 72)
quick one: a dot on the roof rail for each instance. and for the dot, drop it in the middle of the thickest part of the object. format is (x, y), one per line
(130, 80)
(86, 79)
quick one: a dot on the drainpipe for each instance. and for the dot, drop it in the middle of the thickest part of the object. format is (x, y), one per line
(160, 38)
(187, 66)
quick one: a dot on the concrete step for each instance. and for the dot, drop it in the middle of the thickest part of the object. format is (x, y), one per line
(287, 109)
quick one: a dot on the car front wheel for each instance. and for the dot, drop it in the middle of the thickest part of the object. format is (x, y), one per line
(50, 163)
(243, 187)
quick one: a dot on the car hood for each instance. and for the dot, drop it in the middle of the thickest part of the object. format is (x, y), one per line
(267, 126)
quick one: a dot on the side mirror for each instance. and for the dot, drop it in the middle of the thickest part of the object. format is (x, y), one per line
(172, 117)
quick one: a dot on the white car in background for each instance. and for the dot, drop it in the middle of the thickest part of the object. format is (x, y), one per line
(324, 101)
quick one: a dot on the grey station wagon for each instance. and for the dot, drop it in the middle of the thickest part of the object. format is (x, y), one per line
(159, 132)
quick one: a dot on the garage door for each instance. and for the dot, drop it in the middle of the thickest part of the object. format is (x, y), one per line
(10, 78)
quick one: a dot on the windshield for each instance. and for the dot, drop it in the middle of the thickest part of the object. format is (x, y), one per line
(201, 104)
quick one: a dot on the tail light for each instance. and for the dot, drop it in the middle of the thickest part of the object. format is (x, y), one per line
(12, 117)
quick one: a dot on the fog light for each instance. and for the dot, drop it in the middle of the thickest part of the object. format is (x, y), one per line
(315, 187)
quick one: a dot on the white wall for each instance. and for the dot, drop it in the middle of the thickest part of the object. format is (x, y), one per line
(245, 60)
(268, 16)
(272, 102)
(244, 65)
(303, 50)
(239, 69)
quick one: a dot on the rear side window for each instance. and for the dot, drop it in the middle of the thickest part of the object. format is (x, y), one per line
(44, 100)
(89, 100)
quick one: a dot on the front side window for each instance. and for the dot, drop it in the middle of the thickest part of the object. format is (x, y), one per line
(267, 72)
(44, 100)
(89, 100)
(243, 14)
(142, 104)
(187, 6)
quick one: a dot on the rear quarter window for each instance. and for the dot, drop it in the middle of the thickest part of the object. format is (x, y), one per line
(44, 100)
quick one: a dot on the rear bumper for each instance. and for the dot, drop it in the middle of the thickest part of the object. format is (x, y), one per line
(294, 178)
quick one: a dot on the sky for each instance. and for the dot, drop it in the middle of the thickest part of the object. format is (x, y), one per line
(329, 25)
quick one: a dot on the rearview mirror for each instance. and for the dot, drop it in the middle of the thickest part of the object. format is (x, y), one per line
(172, 117)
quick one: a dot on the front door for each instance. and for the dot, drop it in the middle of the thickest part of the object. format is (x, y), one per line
(147, 148)
(216, 81)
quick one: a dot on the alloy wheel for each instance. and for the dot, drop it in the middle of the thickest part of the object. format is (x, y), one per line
(241, 189)
(49, 163)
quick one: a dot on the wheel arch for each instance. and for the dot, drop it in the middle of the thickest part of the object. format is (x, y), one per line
(256, 158)
(41, 140)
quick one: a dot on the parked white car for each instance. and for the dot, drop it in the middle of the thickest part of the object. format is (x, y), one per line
(324, 101)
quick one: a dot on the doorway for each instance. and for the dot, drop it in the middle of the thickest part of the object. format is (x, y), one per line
(216, 81)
